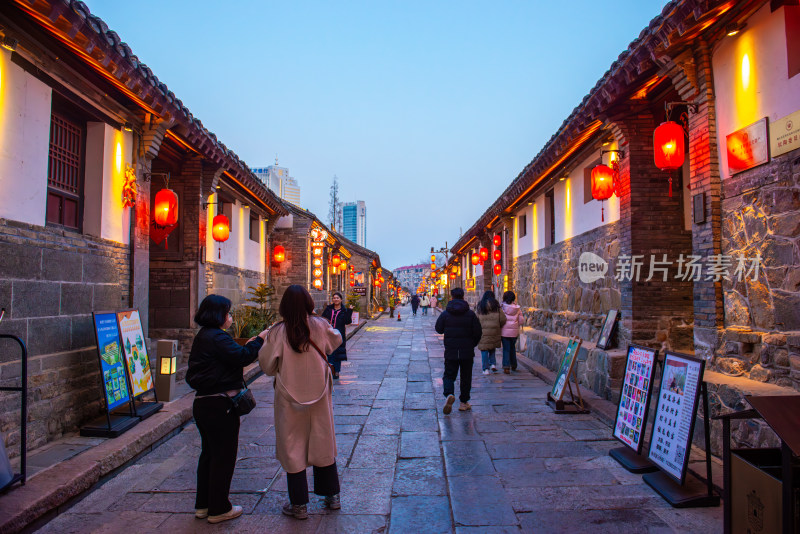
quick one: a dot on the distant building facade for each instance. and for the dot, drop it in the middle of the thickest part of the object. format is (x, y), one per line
(411, 276)
(354, 222)
(277, 179)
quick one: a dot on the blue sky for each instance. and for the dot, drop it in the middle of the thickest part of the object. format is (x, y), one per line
(424, 110)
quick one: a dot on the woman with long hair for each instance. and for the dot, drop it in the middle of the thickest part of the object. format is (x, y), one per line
(492, 320)
(295, 355)
(339, 317)
(510, 332)
(215, 372)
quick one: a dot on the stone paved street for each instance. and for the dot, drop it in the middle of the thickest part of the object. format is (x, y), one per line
(509, 465)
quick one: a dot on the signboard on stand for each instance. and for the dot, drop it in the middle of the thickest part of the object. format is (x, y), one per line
(562, 382)
(134, 348)
(676, 411)
(634, 400)
(562, 376)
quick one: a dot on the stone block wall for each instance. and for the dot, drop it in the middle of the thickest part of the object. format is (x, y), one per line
(50, 283)
(761, 216)
(231, 282)
(552, 297)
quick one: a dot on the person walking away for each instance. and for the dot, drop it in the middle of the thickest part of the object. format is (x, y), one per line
(510, 331)
(462, 331)
(425, 303)
(414, 304)
(492, 320)
(304, 432)
(434, 302)
(215, 372)
(338, 316)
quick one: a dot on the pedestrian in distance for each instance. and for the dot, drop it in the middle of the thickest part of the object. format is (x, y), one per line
(425, 302)
(510, 331)
(339, 317)
(304, 432)
(434, 302)
(215, 372)
(414, 304)
(462, 331)
(492, 320)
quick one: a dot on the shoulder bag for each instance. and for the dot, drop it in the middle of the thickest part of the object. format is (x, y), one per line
(244, 401)
(322, 355)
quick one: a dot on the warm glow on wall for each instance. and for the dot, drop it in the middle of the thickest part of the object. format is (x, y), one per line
(119, 157)
(746, 72)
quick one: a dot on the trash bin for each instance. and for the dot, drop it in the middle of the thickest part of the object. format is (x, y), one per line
(761, 485)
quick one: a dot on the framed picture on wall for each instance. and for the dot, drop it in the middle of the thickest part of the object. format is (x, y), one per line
(607, 332)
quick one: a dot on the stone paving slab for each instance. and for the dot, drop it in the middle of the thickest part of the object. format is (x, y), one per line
(509, 465)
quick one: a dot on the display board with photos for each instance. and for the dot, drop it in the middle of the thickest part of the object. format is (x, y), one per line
(134, 348)
(564, 369)
(607, 332)
(675, 415)
(634, 400)
(112, 365)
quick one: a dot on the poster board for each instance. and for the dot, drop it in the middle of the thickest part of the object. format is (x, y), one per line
(675, 415)
(564, 370)
(112, 364)
(607, 332)
(134, 348)
(634, 399)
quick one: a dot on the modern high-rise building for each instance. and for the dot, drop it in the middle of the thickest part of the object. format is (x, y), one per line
(278, 180)
(354, 222)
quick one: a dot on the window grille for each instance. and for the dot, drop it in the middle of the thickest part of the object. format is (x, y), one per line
(66, 150)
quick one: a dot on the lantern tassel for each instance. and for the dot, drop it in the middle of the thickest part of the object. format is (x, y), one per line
(670, 187)
(220, 253)
(602, 218)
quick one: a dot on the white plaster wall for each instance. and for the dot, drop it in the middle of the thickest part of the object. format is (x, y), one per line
(768, 92)
(239, 250)
(24, 143)
(108, 152)
(524, 244)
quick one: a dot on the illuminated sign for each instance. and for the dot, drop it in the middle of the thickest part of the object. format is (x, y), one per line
(784, 134)
(747, 147)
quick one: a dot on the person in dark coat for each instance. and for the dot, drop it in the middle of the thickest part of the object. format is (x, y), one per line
(414, 304)
(215, 372)
(462, 332)
(338, 316)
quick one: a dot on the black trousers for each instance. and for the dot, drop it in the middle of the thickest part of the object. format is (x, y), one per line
(219, 440)
(451, 370)
(326, 483)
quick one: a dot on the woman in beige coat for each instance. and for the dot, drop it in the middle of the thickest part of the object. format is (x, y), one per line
(294, 353)
(492, 320)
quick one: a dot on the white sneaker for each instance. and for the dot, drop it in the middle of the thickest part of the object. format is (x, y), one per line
(201, 513)
(233, 513)
(486, 371)
(494, 368)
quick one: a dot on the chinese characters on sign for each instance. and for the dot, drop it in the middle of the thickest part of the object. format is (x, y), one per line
(717, 267)
(784, 134)
(635, 398)
(747, 147)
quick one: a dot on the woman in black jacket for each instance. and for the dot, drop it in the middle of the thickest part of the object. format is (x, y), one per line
(338, 316)
(215, 372)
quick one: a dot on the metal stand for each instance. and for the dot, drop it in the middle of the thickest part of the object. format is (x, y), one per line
(692, 493)
(630, 460)
(145, 409)
(23, 432)
(110, 426)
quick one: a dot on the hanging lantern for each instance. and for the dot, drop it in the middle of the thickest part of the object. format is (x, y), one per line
(352, 283)
(497, 240)
(279, 254)
(377, 283)
(497, 255)
(165, 209)
(317, 251)
(484, 252)
(433, 266)
(433, 258)
(476, 259)
(498, 268)
(342, 265)
(220, 230)
(669, 147)
(317, 262)
(602, 185)
(317, 273)
(318, 283)
(452, 275)
(336, 260)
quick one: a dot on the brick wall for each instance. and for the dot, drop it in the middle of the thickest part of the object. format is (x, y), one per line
(50, 283)
(294, 269)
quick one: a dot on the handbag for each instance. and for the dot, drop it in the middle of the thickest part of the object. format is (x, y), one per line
(322, 355)
(244, 401)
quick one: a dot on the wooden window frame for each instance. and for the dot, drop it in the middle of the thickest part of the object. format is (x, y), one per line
(58, 192)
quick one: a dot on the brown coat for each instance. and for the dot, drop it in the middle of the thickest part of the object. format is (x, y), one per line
(304, 431)
(491, 323)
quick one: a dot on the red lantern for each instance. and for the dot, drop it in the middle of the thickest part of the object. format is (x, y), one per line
(497, 240)
(165, 209)
(602, 185)
(669, 147)
(484, 252)
(476, 259)
(352, 284)
(279, 254)
(497, 255)
(220, 230)
(498, 268)
(452, 275)
(336, 260)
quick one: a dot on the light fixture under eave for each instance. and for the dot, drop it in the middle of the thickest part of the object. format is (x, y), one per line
(733, 28)
(9, 43)
(128, 127)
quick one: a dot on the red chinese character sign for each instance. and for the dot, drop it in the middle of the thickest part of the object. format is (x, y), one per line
(747, 148)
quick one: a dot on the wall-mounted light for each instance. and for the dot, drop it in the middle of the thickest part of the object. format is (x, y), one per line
(9, 43)
(128, 127)
(279, 254)
(733, 28)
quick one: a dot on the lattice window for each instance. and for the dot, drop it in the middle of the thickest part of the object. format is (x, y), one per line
(64, 171)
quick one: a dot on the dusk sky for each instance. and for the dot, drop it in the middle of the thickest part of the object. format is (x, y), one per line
(424, 110)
